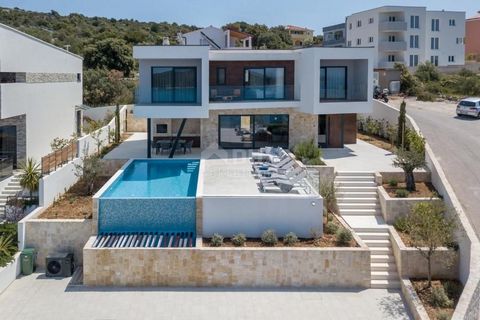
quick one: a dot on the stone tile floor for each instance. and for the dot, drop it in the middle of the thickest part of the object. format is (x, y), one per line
(37, 297)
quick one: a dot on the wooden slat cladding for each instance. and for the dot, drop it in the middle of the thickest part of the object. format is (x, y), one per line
(52, 161)
(350, 128)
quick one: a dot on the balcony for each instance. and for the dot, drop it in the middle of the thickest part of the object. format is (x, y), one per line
(179, 96)
(392, 46)
(355, 93)
(389, 64)
(392, 26)
(231, 94)
(334, 42)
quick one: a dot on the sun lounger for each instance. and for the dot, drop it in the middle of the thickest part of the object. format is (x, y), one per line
(278, 182)
(286, 176)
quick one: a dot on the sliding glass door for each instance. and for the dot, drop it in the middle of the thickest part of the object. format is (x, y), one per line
(333, 83)
(174, 84)
(253, 131)
(8, 150)
(264, 83)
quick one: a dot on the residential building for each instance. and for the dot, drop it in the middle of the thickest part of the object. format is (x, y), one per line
(409, 35)
(300, 36)
(472, 37)
(40, 92)
(253, 98)
(335, 36)
(217, 38)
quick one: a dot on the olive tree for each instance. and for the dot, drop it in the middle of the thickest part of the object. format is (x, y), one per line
(408, 161)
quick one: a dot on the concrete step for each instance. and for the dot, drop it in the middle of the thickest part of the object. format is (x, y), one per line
(385, 284)
(383, 266)
(382, 258)
(373, 235)
(355, 184)
(9, 192)
(355, 173)
(356, 200)
(355, 178)
(382, 228)
(360, 212)
(356, 189)
(378, 243)
(13, 188)
(384, 275)
(381, 250)
(361, 205)
(356, 194)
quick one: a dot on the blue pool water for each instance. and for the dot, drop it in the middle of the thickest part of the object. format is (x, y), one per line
(151, 196)
(156, 178)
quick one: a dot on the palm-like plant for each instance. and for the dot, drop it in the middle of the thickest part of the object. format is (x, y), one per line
(30, 176)
(7, 250)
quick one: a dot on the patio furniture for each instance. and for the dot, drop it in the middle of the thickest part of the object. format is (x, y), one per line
(283, 187)
(284, 165)
(285, 176)
(163, 146)
(187, 146)
(279, 182)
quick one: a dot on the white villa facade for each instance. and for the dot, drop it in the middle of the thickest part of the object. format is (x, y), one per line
(40, 88)
(247, 99)
(409, 35)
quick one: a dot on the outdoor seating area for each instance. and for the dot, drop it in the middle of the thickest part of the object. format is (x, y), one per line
(278, 172)
(166, 145)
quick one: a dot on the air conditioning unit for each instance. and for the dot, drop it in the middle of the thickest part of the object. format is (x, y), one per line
(59, 265)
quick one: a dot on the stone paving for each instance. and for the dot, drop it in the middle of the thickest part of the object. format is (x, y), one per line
(37, 297)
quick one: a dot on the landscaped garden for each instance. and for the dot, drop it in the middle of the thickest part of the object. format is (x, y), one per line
(397, 189)
(8, 243)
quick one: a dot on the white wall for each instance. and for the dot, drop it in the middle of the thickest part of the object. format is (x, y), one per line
(9, 273)
(253, 215)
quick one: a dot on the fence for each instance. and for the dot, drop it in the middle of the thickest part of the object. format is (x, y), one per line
(56, 159)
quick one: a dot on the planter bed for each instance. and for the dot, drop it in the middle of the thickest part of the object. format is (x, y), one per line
(74, 204)
(423, 190)
(326, 241)
(375, 140)
(424, 295)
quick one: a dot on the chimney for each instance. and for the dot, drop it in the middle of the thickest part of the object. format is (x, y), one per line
(165, 41)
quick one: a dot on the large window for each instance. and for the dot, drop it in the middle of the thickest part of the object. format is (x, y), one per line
(264, 83)
(253, 131)
(333, 83)
(174, 84)
(8, 150)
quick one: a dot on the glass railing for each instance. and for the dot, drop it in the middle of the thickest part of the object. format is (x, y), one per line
(351, 93)
(251, 93)
(167, 96)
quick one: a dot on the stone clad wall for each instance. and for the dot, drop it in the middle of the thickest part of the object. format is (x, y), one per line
(302, 126)
(227, 267)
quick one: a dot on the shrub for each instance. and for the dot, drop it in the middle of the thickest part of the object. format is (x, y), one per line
(453, 289)
(392, 182)
(290, 239)
(308, 152)
(344, 236)
(427, 72)
(269, 238)
(443, 315)
(328, 192)
(217, 240)
(439, 298)
(424, 95)
(239, 240)
(401, 193)
(400, 224)
(331, 228)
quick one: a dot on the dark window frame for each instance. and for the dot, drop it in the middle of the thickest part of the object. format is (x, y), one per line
(325, 82)
(161, 125)
(195, 100)
(252, 119)
(264, 86)
(218, 83)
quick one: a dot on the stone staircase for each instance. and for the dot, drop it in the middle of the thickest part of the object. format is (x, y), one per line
(10, 189)
(358, 204)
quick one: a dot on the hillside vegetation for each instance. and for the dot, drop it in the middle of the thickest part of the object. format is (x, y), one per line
(106, 45)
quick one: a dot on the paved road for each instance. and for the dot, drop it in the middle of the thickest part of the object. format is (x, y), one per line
(456, 144)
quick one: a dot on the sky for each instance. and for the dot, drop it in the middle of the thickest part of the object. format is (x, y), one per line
(313, 14)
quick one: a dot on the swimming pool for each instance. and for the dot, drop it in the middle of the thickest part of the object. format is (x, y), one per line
(151, 196)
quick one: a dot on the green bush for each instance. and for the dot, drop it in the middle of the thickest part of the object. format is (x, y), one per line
(344, 236)
(401, 193)
(443, 315)
(393, 182)
(424, 95)
(269, 238)
(330, 228)
(439, 298)
(8, 242)
(400, 224)
(308, 152)
(453, 289)
(239, 240)
(217, 240)
(290, 239)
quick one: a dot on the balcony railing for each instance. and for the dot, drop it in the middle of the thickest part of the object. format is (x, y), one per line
(251, 93)
(389, 64)
(393, 26)
(393, 46)
(168, 96)
(354, 93)
(334, 42)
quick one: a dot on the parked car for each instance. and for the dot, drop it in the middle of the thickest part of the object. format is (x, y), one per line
(469, 107)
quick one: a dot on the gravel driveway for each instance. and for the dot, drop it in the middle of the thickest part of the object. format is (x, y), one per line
(456, 144)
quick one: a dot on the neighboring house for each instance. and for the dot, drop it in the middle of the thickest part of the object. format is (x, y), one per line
(300, 36)
(472, 37)
(248, 99)
(335, 36)
(40, 88)
(218, 39)
(409, 35)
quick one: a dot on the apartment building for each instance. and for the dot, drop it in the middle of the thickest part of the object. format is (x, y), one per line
(247, 99)
(335, 35)
(40, 92)
(409, 35)
(300, 36)
(472, 37)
